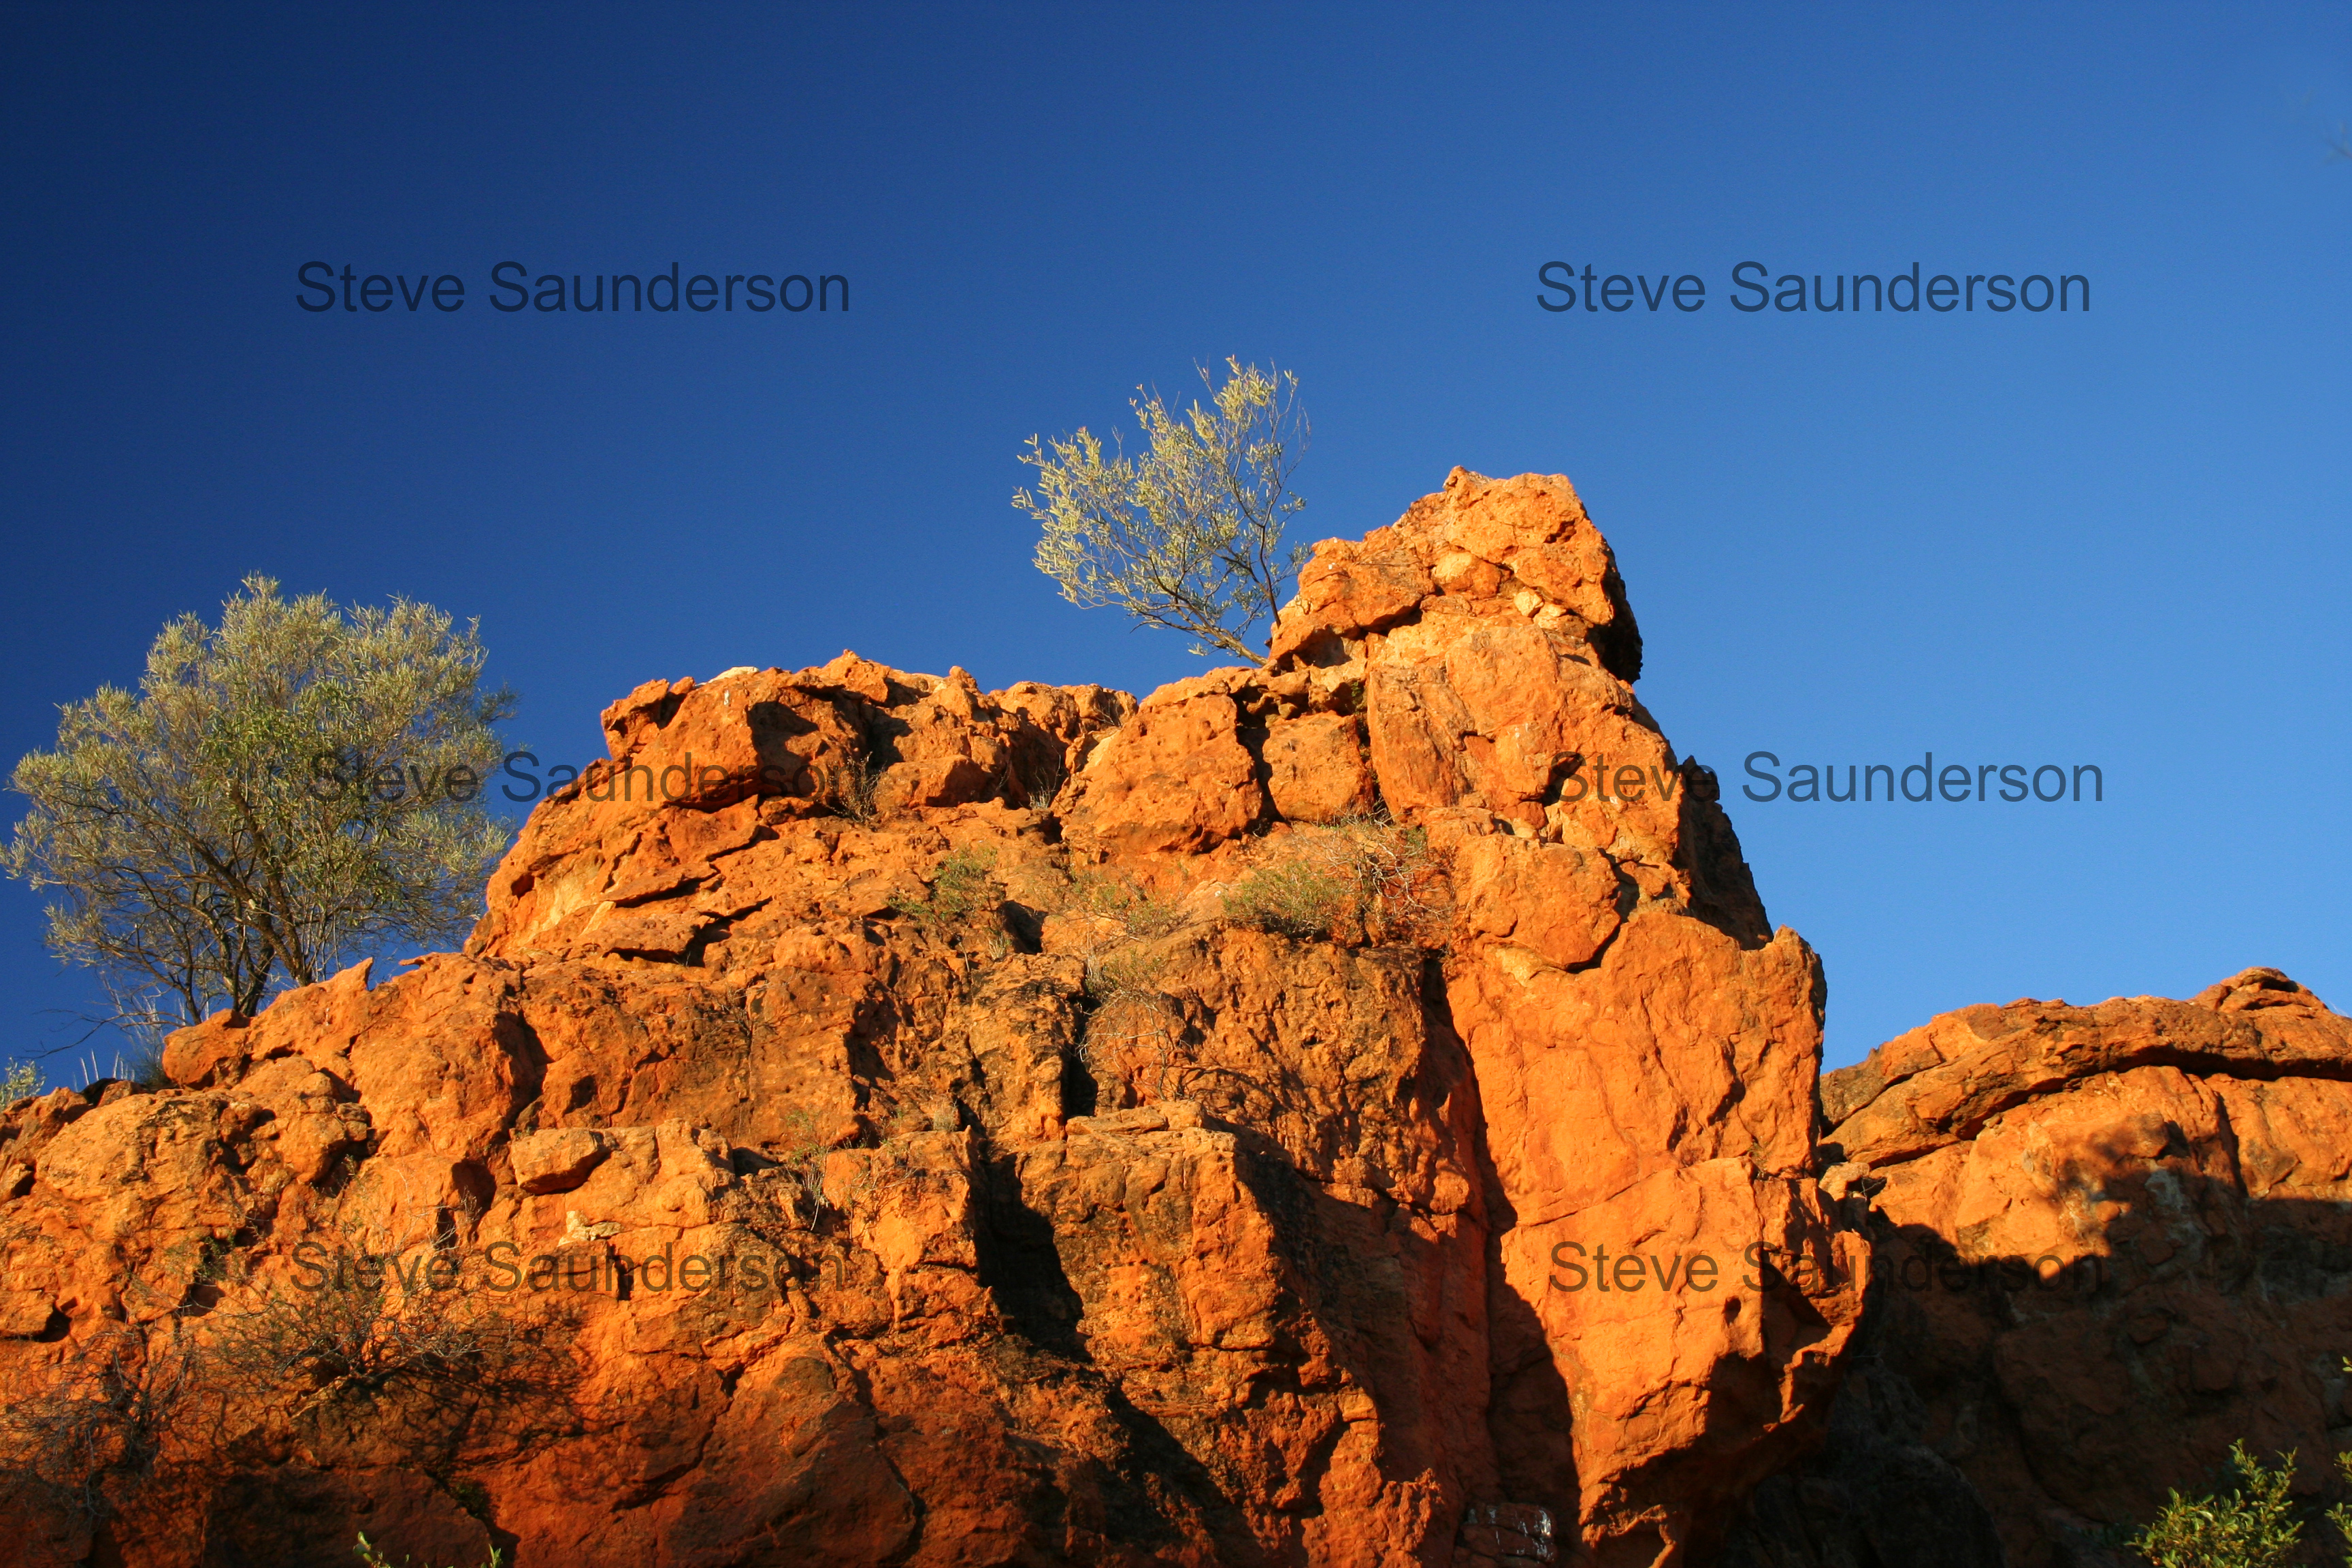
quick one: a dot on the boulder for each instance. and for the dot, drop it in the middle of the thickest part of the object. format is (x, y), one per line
(2109, 1241)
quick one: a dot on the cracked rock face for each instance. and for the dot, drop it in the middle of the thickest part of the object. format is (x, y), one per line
(864, 1112)
(2109, 1241)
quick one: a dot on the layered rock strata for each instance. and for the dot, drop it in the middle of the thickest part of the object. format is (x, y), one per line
(878, 1122)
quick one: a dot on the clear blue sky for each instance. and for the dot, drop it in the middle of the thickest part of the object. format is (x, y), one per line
(2115, 538)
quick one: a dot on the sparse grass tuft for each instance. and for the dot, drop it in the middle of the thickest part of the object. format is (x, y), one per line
(1360, 875)
(960, 889)
(368, 1554)
(1293, 895)
(806, 1147)
(1105, 896)
(1124, 973)
(1039, 792)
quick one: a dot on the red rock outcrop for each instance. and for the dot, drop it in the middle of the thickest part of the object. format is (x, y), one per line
(1014, 1194)
(2110, 1241)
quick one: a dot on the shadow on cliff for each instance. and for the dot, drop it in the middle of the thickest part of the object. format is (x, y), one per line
(2009, 1411)
(1723, 890)
(1505, 1441)
(1363, 1294)
(1020, 1260)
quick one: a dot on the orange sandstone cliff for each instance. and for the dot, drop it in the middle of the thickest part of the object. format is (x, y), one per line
(2109, 1241)
(1280, 1122)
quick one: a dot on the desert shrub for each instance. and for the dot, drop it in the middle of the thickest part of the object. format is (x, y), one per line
(2250, 1523)
(1136, 914)
(365, 1363)
(1130, 1014)
(1126, 974)
(1361, 873)
(1124, 919)
(846, 788)
(959, 888)
(2340, 1516)
(1190, 535)
(1137, 1028)
(231, 828)
(96, 1432)
(1293, 895)
(375, 1353)
(142, 1064)
(22, 1080)
(2253, 1525)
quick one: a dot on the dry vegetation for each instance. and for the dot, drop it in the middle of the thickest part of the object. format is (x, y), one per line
(847, 788)
(370, 1366)
(1360, 878)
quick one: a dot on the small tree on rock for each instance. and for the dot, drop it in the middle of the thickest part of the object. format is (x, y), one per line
(1189, 536)
(283, 792)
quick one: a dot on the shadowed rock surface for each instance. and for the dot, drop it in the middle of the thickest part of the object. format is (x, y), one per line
(2109, 1241)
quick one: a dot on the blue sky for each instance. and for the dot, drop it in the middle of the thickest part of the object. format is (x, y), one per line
(2115, 538)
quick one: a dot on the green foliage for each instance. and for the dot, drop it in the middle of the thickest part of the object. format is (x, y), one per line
(1190, 535)
(1102, 895)
(199, 831)
(2340, 1515)
(22, 1080)
(1360, 874)
(369, 1554)
(2251, 1526)
(959, 888)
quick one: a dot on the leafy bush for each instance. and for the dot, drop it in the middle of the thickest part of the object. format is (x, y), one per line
(234, 826)
(2253, 1525)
